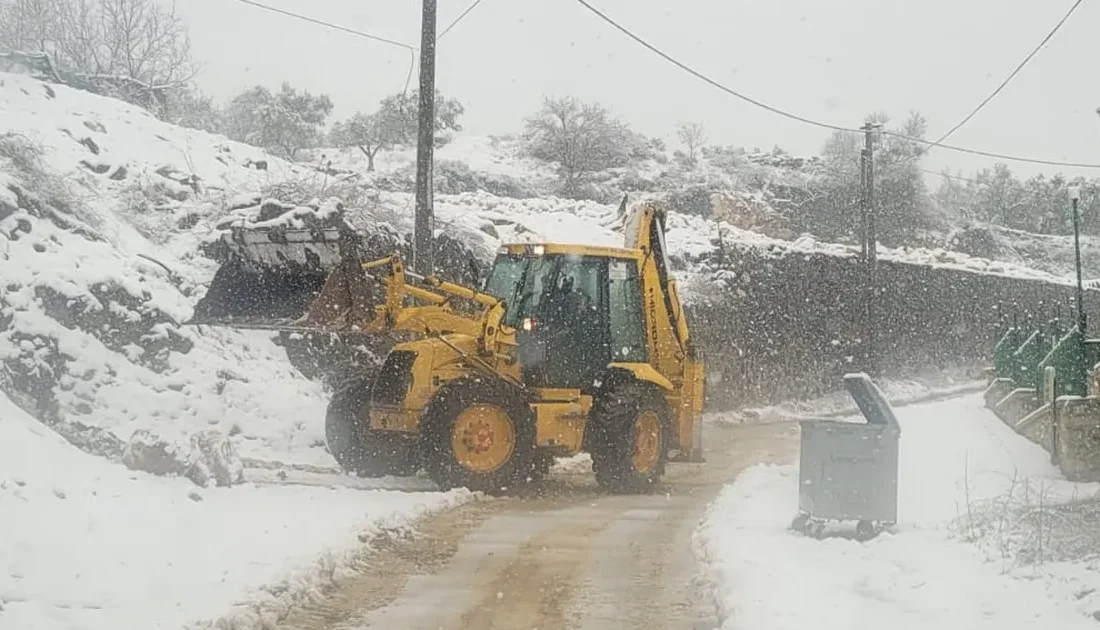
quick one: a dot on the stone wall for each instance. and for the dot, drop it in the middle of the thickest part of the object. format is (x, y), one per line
(1073, 439)
(777, 325)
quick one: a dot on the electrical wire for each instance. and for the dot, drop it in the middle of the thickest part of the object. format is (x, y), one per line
(950, 176)
(1011, 76)
(306, 18)
(458, 19)
(810, 121)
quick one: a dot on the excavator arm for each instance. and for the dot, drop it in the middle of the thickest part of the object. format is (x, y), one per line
(382, 296)
(644, 229)
(678, 360)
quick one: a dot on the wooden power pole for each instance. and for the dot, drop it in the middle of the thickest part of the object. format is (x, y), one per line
(423, 232)
(870, 239)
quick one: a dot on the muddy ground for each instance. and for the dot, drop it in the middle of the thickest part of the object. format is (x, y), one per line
(564, 556)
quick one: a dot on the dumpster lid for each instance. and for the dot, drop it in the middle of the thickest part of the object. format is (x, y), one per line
(871, 401)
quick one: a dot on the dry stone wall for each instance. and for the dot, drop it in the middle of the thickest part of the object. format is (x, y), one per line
(781, 325)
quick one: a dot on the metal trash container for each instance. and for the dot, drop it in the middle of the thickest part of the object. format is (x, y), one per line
(848, 471)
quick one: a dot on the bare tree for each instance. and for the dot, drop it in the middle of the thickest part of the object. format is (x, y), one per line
(95, 43)
(141, 41)
(580, 138)
(693, 136)
(29, 25)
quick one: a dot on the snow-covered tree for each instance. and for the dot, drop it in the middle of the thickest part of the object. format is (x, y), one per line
(693, 136)
(189, 107)
(902, 203)
(579, 138)
(284, 122)
(396, 122)
(29, 25)
(1038, 204)
(95, 42)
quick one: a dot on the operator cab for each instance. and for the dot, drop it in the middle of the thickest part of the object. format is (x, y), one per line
(574, 312)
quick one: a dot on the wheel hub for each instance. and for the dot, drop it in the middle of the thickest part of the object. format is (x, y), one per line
(483, 438)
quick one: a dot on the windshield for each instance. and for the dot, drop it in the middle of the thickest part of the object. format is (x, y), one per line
(528, 283)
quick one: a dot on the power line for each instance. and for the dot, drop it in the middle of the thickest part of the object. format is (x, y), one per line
(458, 19)
(1011, 76)
(950, 176)
(810, 121)
(707, 79)
(337, 27)
(305, 18)
(408, 79)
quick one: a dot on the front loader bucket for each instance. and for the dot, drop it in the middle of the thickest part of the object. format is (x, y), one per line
(243, 296)
(283, 279)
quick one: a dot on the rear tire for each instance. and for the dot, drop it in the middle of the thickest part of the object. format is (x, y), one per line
(630, 439)
(358, 449)
(479, 436)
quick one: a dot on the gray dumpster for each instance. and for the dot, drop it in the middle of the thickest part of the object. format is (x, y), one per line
(848, 471)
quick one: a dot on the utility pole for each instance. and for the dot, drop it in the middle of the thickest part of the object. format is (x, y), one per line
(425, 221)
(868, 250)
(1075, 196)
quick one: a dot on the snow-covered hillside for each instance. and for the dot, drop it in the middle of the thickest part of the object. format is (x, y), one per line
(101, 210)
(517, 214)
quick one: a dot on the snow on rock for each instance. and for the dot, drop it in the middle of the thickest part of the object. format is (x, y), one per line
(955, 456)
(209, 457)
(90, 545)
(102, 211)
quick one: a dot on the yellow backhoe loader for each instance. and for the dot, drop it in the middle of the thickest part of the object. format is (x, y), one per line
(566, 348)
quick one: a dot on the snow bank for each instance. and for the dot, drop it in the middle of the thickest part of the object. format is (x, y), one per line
(89, 544)
(953, 454)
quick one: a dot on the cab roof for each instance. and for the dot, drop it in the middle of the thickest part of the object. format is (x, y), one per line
(538, 249)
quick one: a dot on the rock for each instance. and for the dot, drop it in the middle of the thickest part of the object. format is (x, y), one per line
(148, 452)
(91, 145)
(208, 459)
(214, 459)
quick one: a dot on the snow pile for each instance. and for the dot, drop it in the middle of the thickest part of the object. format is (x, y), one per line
(955, 457)
(89, 544)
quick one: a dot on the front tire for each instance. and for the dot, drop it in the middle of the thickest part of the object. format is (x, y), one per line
(354, 446)
(631, 437)
(480, 436)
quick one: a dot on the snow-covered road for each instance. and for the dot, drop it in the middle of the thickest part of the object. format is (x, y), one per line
(958, 464)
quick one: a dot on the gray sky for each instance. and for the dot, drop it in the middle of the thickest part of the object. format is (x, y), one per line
(832, 61)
